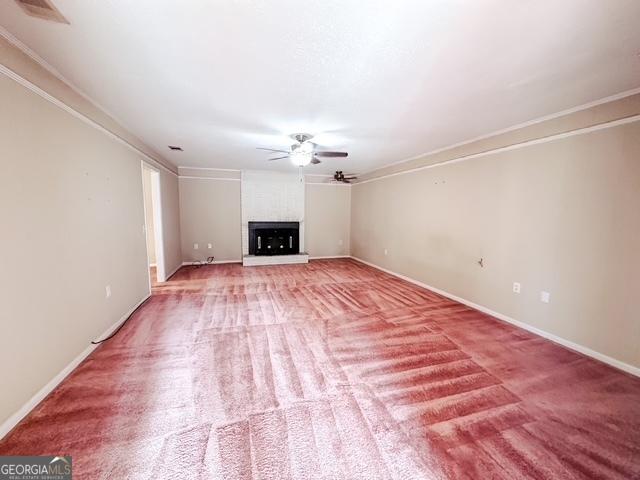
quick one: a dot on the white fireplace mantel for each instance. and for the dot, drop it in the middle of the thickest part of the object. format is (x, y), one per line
(271, 197)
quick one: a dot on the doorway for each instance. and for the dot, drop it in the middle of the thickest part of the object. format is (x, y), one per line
(153, 223)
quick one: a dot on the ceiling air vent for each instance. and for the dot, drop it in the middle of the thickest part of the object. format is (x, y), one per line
(175, 148)
(43, 9)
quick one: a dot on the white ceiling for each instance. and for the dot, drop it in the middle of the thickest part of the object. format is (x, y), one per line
(385, 80)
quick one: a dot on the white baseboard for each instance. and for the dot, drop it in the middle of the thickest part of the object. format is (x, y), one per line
(33, 402)
(215, 262)
(549, 336)
(174, 271)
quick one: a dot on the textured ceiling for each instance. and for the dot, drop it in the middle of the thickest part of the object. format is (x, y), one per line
(384, 80)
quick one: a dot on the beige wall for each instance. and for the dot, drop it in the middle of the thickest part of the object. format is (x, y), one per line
(586, 117)
(560, 216)
(71, 211)
(72, 219)
(327, 219)
(210, 213)
(17, 63)
(23, 65)
(170, 204)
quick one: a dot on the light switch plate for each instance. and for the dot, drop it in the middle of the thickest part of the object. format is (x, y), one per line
(545, 297)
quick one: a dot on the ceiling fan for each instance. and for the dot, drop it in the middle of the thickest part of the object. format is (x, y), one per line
(303, 152)
(342, 178)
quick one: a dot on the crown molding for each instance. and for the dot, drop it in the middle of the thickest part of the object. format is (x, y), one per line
(49, 68)
(184, 167)
(191, 177)
(518, 126)
(44, 64)
(514, 146)
(63, 106)
(329, 184)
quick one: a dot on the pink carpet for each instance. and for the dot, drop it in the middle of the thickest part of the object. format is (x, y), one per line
(331, 370)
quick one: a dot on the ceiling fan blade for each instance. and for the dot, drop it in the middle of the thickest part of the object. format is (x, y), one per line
(277, 158)
(331, 154)
(315, 161)
(272, 150)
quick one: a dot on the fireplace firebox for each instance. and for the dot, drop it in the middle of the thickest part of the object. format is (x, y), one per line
(274, 238)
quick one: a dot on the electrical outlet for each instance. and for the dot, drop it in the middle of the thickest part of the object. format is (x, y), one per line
(545, 297)
(516, 287)
(209, 246)
(340, 242)
(385, 251)
(107, 291)
(195, 246)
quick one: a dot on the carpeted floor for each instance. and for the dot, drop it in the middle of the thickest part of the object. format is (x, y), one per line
(331, 370)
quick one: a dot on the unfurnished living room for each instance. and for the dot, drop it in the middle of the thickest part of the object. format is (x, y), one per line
(320, 239)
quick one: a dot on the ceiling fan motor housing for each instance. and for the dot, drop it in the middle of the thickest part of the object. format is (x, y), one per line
(301, 137)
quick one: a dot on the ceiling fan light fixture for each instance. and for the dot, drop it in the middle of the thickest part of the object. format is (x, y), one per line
(300, 158)
(305, 147)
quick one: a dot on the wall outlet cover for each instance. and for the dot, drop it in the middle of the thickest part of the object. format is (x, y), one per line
(516, 287)
(107, 291)
(195, 246)
(545, 297)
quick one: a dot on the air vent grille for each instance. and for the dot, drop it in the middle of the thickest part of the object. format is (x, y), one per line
(43, 9)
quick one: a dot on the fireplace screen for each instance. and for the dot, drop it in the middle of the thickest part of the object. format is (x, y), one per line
(274, 238)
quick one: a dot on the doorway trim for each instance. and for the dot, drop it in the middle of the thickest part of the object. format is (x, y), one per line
(158, 229)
